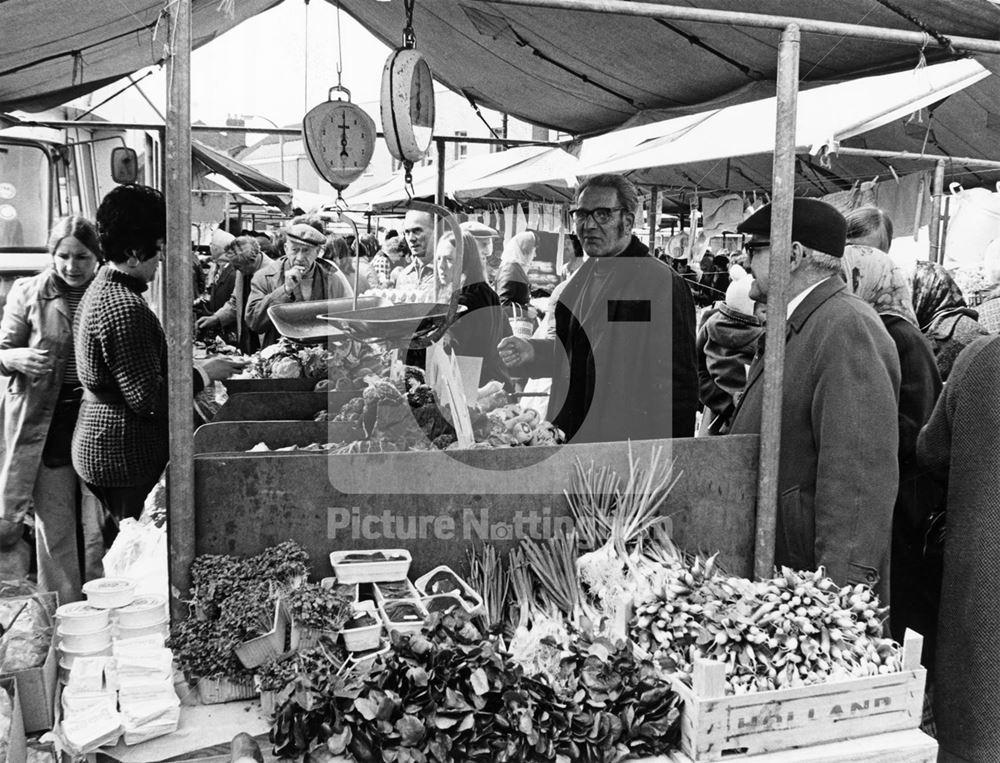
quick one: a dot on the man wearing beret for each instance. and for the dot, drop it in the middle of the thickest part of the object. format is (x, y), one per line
(838, 469)
(622, 361)
(299, 276)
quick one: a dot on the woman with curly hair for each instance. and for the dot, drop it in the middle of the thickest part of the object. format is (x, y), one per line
(120, 444)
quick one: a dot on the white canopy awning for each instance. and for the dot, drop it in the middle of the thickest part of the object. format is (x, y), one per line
(541, 171)
(825, 114)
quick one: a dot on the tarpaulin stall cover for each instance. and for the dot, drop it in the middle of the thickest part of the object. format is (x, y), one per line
(52, 51)
(709, 150)
(581, 71)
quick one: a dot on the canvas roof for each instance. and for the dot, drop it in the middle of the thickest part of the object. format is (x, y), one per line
(52, 51)
(580, 71)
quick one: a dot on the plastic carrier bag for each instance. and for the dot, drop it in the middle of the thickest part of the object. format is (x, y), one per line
(139, 553)
(27, 620)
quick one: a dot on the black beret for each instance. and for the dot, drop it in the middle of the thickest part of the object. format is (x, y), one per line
(815, 224)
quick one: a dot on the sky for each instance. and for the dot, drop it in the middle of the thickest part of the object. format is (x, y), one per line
(260, 67)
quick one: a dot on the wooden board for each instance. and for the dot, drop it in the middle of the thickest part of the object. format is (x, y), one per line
(440, 504)
(237, 386)
(241, 436)
(716, 727)
(285, 406)
(895, 747)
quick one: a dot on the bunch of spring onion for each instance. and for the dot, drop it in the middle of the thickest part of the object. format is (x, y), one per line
(622, 529)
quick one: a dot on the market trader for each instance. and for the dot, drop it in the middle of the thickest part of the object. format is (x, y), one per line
(244, 255)
(623, 359)
(838, 472)
(418, 275)
(299, 276)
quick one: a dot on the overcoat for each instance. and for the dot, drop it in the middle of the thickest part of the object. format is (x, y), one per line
(838, 471)
(961, 436)
(35, 316)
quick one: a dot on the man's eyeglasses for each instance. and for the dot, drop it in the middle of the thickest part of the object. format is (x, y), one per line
(601, 215)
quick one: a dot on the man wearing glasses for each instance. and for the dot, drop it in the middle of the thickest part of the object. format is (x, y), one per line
(623, 360)
(838, 471)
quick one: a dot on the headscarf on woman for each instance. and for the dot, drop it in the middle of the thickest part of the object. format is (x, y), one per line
(520, 249)
(876, 279)
(936, 295)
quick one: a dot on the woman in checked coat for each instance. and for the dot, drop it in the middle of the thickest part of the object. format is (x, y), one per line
(121, 439)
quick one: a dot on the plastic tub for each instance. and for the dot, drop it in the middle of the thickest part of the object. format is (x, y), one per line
(86, 642)
(406, 590)
(80, 617)
(367, 636)
(357, 570)
(69, 655)
(145, 610)
(442, 602)
(403, 626)
(153, 629)
(109, 593)
(450, 582)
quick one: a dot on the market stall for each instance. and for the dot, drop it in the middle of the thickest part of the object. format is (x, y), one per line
(433, 504)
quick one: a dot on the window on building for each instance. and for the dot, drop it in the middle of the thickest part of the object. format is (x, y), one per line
(461, 149)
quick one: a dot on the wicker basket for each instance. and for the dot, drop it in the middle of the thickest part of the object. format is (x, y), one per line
(215, 691)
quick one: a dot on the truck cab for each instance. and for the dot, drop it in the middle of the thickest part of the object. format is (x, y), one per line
(46, 173)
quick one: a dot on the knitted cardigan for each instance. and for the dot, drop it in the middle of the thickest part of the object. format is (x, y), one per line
(121, 351)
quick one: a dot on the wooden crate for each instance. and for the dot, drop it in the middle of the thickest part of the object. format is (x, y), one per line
(714, 725)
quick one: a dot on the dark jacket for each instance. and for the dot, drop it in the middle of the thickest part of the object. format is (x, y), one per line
(913, 587)
(479, 329)
(838, 473)
(513, 286)
(623, 362)
(961, 437)
(121, 352)
(726, 344)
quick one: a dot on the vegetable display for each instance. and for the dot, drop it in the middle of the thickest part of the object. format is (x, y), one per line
(453, 694)
(343, 365)
(793, 630)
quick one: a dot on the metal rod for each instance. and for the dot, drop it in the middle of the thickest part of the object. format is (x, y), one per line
(439, 195)
(758, 20)
(177, 311)
(293, 131)
(654, 216)
(782, 195)
(911, 156)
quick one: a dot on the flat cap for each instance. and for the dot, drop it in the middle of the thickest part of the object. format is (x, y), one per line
(305, 234)
(815, 224)
(478, 229)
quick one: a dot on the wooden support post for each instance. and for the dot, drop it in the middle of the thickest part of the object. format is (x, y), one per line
(934, 229)
(177, 313)
(782, 195)
(654, 216)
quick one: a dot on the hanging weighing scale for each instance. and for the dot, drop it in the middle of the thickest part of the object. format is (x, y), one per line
(407, 110)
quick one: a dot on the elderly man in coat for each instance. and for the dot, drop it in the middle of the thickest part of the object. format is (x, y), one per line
(838, 472)
(622, 362)
(299, 276)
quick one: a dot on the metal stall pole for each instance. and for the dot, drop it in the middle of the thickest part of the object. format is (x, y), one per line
(177, 312)
(783, 192)
(654, 216)
(937, 195)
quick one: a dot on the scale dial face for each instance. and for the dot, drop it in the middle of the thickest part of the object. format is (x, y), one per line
(340, 141)
(407, 105)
